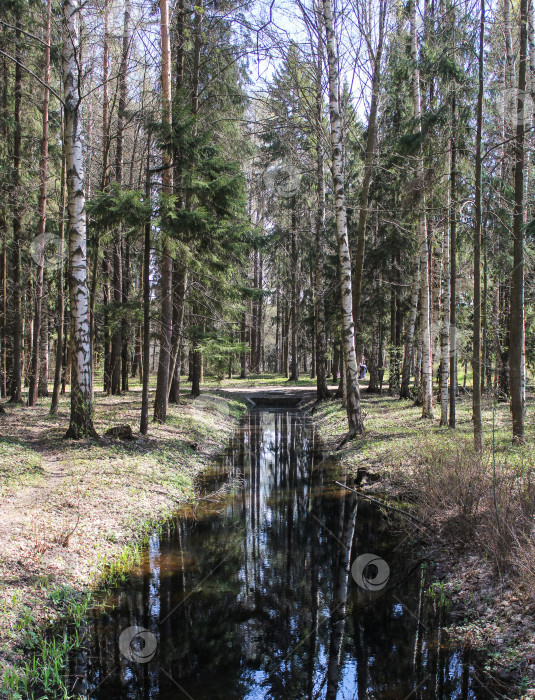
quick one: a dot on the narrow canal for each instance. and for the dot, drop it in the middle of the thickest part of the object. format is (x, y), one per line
(280, 584)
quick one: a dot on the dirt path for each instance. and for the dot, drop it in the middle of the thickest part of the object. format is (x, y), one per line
(69, 508)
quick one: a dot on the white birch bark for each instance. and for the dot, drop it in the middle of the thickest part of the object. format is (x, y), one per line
(427, 376)
(354, 414)
(348, 517)
(81, 420)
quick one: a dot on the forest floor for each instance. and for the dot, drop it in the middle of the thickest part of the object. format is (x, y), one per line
(72, 511)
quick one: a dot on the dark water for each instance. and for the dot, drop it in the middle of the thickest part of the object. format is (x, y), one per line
(252, 596)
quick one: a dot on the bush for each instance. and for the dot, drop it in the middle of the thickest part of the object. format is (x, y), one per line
(471, 496)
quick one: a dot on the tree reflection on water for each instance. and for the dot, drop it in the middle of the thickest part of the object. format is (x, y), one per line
(251, 595)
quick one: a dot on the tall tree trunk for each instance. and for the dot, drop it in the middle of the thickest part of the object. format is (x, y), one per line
(106, 293)
(445, 330)
(425, 325)
(61, 298)
(319, 287)
(373, 385)
(418, 373)
(180, 274)
(368, 168)
(121, 112)
(42, 386)
(117, 339)
(144, 422)
(166, 284)
(43, 172)
(476, 359)
(502, 351)
(335, 362)
(3, 282)
(136, 360)
(105, 100)
(104, 185)
(125, 247)
(394, 383)
(277, 332)
(313, 326)
(117, 296)
(196, 358)
(517, 350)
(66, 363)
(243, 341)
(254, 311)
(354, 414)
(179, 306)
(3, 226)
(294, 376)
(260, 314)
(81, 419)
(510, 71)
(286, 340)
(453, 263)
(125, 351)
(486, 369)
(26, 334)
(405, 391)
(16, 373)
(106, 382)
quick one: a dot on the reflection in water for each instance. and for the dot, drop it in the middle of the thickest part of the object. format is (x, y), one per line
(252, 596)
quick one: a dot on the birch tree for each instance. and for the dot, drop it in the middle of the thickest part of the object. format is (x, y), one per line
(319, 291)
(354, 413)
(425, 325)
(81, 419)
(375, 60)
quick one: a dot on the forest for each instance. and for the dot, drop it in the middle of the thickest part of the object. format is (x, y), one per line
(212, 205)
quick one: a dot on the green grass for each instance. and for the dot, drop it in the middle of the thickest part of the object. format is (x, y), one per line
(19, 463)
(147, 477)
(394, 428)
(45, 673)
